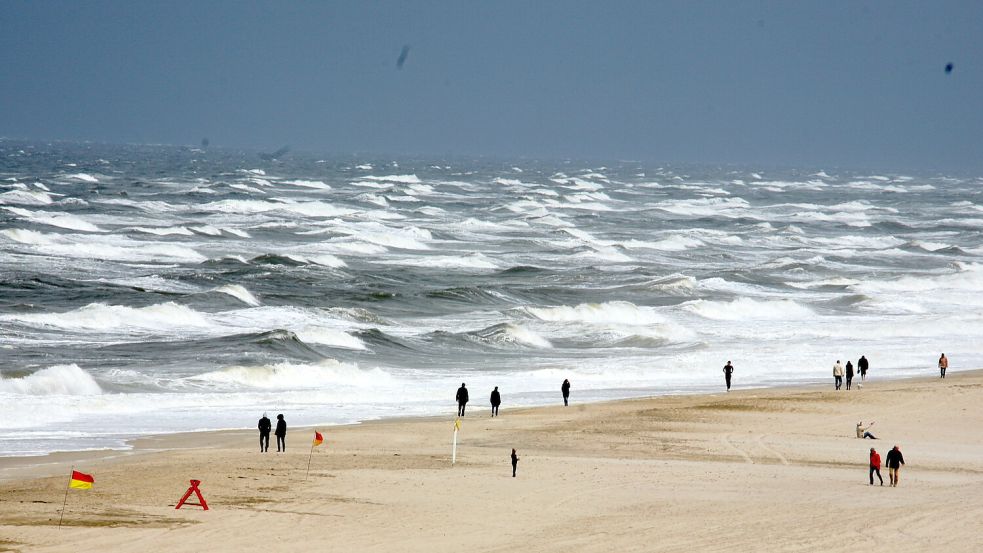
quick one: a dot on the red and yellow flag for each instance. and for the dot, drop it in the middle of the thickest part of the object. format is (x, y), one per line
(318, 438)
(81, 481)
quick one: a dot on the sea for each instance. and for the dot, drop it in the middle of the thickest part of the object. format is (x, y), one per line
(161, 289)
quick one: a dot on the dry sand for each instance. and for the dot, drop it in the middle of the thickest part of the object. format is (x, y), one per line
(752, 470)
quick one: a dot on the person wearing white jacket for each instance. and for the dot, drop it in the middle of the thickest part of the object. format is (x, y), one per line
(838, 374)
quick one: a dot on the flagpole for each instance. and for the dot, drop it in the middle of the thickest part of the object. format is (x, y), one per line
(309, 457)
(454, 449)
(67, 487)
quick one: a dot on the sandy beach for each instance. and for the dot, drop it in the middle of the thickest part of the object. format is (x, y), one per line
(752, 470)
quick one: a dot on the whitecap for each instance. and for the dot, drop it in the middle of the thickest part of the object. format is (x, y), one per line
(55, 380)
(240, 293)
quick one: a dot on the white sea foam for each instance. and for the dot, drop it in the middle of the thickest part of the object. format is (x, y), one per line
(330, 337)
(164, 231)
(55, 219)
(520, 334)
(105, 247)
(55, 380)
(316, 184)
(615, 312)
(103, 317)
(403, 179)
(746, 308)
(240, 293)
(26, 197)
(291, 376)
(308, 209)
(84, 177)
(471, 261)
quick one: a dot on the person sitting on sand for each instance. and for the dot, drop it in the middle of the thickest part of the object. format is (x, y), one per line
(862, 431)
(281, 434)
(264, 434)
(565, 389)
(849, 374)
(862, 366)
(875, 466)
(462, 399)
(943, 365)
(893, 463)
(838, 374)
(496, 400)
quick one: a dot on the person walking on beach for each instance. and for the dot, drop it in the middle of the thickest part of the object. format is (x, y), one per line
(515, 462)
(264, 434)
(838, 374)
(565, 389)
(862, 366)
(462, 399)
(875, 466)
(862, 431)
(943, 365)
(728, 370)
(849, 374)
(281, 434)
(894, 462)
(496, 400)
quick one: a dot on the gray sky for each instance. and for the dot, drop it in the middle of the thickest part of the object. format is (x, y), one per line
(842, 83)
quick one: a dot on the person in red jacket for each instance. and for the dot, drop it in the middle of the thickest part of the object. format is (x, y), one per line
(875, 466)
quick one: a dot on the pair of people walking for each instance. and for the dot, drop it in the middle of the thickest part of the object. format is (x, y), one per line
(264, 433)
(893, 462)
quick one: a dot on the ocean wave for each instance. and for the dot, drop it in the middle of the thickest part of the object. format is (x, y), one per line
(968, 278)
(470, 261)
(402, 179)
(55, 219)
(26, 197)
(746, 308)
(103, 317)
(615, 312)
(509, 334)
(54, 380)
(312, 209)
(163, 231)
(289, 376)
(84, 177)
(330, 337)
(105, 247)
(316, 184)
(240, 293)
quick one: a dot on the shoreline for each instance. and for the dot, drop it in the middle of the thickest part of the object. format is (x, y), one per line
(55, 462)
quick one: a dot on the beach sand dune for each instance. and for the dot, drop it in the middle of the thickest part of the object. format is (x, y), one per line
(752, 470)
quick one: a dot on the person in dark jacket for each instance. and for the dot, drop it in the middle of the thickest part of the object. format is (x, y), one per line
(849, 374)
(565, 388)
(462, 399)
(728, 370)
(264, 434)
(515, 462)
(496, 400)
(862, 366)
(894, 461)
(281, 434)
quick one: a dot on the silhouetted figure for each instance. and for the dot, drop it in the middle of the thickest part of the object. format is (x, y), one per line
(894, 462)
(281, 434)
(875, 466)
(862, 366)
(943, 365)
(264, 434)
(849, 374)
(838, 374)
(496, 400)
(565, 388)
(948, 68)
(728, 370)
(462, 399)
(515, 462)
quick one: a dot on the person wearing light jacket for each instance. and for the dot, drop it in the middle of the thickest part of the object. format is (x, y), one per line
(838, 374)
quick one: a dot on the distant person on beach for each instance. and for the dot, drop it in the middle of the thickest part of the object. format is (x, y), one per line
(496, 400)
(862, 431)
(565, 388)
(281, 434)
(264, 434)
(943, 365)
(875, 466)
(862, 366)
(849, 374)
(728, 370)
(462, 399)
(894, 462)
(515, 462)
(838, 374)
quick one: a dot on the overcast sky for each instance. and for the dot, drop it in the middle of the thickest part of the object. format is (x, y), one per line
(822, 83)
